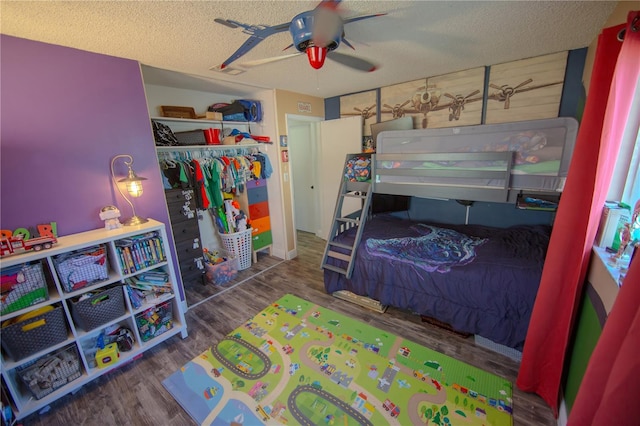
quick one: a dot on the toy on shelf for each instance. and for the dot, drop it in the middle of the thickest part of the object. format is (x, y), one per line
(110, 215)
(109, 355)
(155, 321)
(21, 240)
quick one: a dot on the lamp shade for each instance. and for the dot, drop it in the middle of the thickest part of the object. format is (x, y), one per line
(133, 183)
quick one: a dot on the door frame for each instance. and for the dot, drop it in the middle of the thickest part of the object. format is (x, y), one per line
(313, 123)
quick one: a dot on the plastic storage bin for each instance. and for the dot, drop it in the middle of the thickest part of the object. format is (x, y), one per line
(223, 272)
(80, 268)
(100, 308)
(155, 321)
(22, 286)
(35, 331)
(52, 371)
(239, 245)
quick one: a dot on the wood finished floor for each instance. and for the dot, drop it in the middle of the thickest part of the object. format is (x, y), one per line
(134, 395)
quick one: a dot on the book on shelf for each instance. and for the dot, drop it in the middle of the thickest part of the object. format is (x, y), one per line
(140, 252)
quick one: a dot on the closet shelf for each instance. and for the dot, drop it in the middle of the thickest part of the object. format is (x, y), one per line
(198, 120)
(188, 148)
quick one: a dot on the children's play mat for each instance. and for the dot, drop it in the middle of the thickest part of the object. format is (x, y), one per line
(300, 363)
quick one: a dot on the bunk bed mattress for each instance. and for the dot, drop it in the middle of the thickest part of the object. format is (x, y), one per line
(478, 279)
(542, 152)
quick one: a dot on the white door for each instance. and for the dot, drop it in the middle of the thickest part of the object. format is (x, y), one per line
(337, 139)
(302, 163)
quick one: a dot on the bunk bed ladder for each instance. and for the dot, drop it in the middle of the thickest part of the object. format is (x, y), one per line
(348, 189)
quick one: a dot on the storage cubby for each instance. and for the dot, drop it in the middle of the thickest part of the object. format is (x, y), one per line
(54, 332)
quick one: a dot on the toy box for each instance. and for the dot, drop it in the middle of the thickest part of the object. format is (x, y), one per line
(52, 371)
(155, 321)
(223, 272)
(22, 286)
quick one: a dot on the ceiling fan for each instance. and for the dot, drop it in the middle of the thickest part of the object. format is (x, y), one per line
(317, 32)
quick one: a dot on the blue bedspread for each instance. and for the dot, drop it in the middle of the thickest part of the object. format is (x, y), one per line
(478, 279)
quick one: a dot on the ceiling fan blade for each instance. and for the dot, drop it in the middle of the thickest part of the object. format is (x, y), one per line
(352, 61)
(225, 23)
(327, 25)
(258, 62)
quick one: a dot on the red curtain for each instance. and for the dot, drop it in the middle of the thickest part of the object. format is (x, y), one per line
(573, 235)
(609, 390)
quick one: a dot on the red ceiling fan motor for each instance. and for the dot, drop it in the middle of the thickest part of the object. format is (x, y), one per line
(316, 56)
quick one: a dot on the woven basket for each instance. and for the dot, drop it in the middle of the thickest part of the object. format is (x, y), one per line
(52, 371)
(26, 293)
(80, 268)
(98, 309)
(24, 338)
(239, 245)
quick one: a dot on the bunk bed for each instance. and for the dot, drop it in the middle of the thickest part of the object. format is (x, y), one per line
(477, 279)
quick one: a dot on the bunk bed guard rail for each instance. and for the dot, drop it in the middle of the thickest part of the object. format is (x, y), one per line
(476, 176)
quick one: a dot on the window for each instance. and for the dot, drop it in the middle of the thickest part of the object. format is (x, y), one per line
(625, 183)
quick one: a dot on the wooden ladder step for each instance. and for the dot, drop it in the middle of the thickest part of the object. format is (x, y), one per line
(338, 255)
(352, 195)
(341, 245)
(335, 269)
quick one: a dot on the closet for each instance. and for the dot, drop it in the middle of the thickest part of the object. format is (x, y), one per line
(191, 228)
(197, 181)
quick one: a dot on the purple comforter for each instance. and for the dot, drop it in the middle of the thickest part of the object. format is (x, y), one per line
(478, 279)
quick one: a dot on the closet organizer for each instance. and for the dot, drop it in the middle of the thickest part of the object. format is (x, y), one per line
(199, 179)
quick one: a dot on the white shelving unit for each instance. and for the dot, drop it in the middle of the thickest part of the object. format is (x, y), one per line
(187, 124)
(77, 338)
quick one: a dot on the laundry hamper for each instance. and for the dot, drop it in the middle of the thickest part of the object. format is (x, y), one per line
(239, 244)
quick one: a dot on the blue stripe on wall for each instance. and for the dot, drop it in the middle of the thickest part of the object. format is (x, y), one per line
(573, 90)
(332, 108)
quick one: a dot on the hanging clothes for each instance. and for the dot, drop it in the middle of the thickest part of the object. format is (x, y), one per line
(200, 188)
(210, 174)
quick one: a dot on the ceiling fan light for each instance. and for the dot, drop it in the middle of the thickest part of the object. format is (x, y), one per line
(316, 56)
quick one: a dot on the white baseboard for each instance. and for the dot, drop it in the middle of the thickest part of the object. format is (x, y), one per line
(291, 254)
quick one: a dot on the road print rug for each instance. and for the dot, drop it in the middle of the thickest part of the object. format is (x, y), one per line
(299, 363)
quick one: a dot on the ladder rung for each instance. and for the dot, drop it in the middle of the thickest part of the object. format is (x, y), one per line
(352, 195)
(357, 186)
(341, 245)
(338, 255)
(335, 269)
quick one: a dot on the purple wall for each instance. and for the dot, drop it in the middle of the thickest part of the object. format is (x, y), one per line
(65, 113)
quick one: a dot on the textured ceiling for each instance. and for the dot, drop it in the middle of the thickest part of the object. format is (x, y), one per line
(416, 39)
